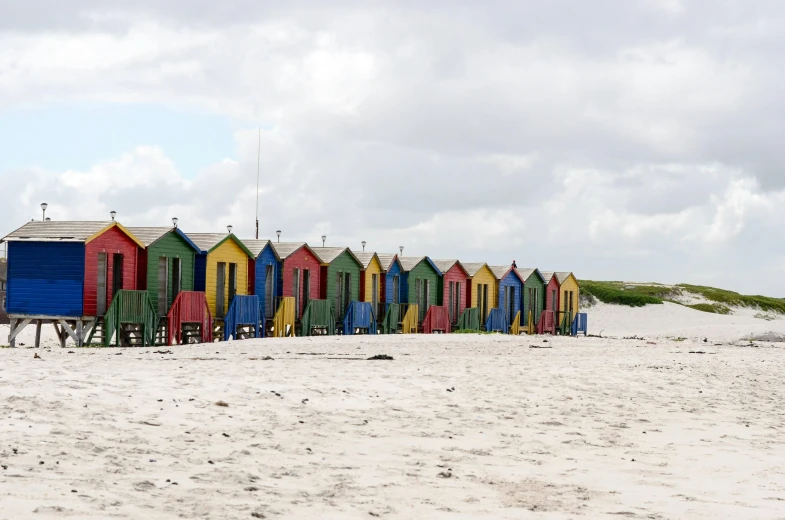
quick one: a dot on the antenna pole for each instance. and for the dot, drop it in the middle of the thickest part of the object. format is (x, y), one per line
(258, 162)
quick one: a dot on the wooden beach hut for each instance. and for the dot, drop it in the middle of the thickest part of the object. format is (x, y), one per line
(166, 264)
(220, 269)
(371, 281)
(391, 279)
(67, 273)
(533, 297)
(284, 270)
(509, 288)
(482, 288)
(569, 294)
(340, 278)
(453, 288)
(420, 282)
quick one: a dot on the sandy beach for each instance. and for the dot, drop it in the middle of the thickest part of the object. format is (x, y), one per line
(454, 427)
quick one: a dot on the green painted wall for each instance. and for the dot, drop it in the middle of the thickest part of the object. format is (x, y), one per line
(535, 282)
(424, 271)
(171, 246)
(344, 263)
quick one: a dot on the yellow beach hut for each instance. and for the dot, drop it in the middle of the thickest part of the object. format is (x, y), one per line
(482, 288)
(221, 269)
(371, 280)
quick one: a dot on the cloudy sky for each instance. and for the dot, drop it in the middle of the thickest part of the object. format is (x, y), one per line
(620, 139)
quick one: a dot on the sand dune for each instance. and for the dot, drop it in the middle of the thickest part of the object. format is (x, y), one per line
(590, 428)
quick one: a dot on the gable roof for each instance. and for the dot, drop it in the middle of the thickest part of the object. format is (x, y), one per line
(366, 258)
(387, 260)
(473, 267)
(527, 272)
(257, 246)
(547, 275)
(65, 231)
(207, 242)
(446, 265)
(501, 271)
(327, 255)
(284, 250)
(150, 235)
(561, 276)
(410, 262)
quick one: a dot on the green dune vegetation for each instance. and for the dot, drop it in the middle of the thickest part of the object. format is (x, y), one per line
(719, 301)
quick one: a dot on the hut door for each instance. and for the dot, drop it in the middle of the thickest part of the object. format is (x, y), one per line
(375, 292)
(177, 278)
(306, 287)
(396, 289)
(485, 301)
(339, 297)
(554, 299)
(511, 305)
(232, 282)
(269, 283)
(426, 296)
(571, 307)
(101, 287)
(296, 291)
(117, 273)
(163, 282)
(450, 300)
(220, 285)
(457, 302)
(347, 290)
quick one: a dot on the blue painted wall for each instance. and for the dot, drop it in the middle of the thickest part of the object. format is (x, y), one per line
(266, 258)
(46, 278)
(200, 272)
(511, 280)
(388, 284)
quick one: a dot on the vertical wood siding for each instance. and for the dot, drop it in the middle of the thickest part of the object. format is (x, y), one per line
(265, 259)
(533, 282)
(389, 280)
(228, 252)
(302, 259)
(484, 277)
(553, 285)
(344, 263)
(45, 278)
(510, 280)
(456, 275)
(112, 242)
(423, 271)
(170, 246)
(570, 284)
(374, 268)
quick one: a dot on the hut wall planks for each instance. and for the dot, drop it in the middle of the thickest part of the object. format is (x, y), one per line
(230, 253)
(266, 259)
(374, 268)
(171, 246)
(512, 281)
(113, 242)
(423, 271)
(458, 277)
(533, 284)
(301, 260)
(45, 278)
(482, 278)
(344, 263)
(569, 287)
(552, 295)
(391, 277)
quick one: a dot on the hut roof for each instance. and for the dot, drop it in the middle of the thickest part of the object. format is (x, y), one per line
(410, 262)
(366, 258)
(473, 267)
(256, 246)
(387, 260)
(206, 242)
(64, 231)
(527, 272)
(446, 265)
(327, 254)
(561, 276)
(285, 249)
(546, 275)
(500, 271)
(150, 235)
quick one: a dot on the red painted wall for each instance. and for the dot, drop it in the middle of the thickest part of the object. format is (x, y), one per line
(553, 285)
(110, 242)
(302, 259)
(458, 275)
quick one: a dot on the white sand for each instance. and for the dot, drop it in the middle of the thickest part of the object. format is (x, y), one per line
(591, 428)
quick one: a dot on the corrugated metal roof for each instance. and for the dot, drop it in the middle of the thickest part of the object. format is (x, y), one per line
(286, 249)
(387, 260)
(328, 254)
(207, 241)
(149, 235)
(57, 231)
(562, 276)
(473, 267)
(365, 257)
(256, 246)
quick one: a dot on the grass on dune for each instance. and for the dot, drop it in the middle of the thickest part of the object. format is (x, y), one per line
(730, 298)
(619, 294)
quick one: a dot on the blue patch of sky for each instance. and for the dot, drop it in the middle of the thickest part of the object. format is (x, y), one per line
(77, 136)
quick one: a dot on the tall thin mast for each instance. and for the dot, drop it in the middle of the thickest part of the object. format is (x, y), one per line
(258, 161)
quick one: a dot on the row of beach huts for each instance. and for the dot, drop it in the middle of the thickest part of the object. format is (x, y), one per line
(103, 283)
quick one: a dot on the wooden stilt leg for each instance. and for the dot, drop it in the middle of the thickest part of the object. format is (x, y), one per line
(12, 339)
(79, 333)
(37, 333)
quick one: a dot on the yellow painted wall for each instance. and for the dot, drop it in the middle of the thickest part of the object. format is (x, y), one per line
(485, 276)
(570, 284)
(228, 252)
(374, 268)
